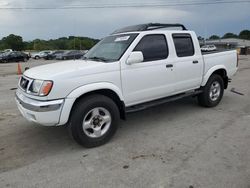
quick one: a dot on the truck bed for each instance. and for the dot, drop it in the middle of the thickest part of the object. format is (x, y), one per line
(216, 51)
(226, 59)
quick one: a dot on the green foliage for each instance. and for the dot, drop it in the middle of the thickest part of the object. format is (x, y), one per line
(200, 38)
(245, 34)
(16, 43)
(230, 35)
(214, 37)
(77, 43)
(12, 41)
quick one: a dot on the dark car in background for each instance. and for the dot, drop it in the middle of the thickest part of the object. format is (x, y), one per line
(13, 57)
(75, 54)
(53, 55)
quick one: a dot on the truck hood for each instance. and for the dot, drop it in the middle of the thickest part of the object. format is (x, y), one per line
(66, 69)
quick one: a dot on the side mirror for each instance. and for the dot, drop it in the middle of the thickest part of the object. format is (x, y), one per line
(135, 57)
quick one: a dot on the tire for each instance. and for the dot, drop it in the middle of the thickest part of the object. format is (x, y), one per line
(212, 92)
(37, 57)
(25, 59)
(84, 125)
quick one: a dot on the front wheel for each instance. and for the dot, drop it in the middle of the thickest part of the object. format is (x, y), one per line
(212, 92)
(94, 120)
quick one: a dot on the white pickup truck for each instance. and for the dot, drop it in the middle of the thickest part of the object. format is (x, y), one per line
(132, 69)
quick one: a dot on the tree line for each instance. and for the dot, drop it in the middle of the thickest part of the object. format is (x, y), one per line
(244, 34)
(17, 43)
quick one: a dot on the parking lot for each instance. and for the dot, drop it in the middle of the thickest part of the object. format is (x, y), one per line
(178, 144)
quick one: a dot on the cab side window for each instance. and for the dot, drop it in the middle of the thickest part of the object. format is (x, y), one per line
(153, 47)
(183, 45)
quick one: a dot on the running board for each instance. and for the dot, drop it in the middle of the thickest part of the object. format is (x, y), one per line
(157, 102)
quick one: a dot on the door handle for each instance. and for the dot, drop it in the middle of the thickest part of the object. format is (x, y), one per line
(169, 66)
(195, 62)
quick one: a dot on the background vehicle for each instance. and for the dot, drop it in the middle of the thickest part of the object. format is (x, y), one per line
(134, 68)
(40, 54)
(75, 54)
(53, 55)
(28, 53)
(13, 57)
(8, 50)
(208, 48)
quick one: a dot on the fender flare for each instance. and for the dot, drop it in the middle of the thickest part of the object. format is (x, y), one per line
(76, 93)
(210, 72)
(93, 87)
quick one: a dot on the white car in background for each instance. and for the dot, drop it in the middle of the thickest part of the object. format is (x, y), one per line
(8, 50)
(40, 54)
(208, 48)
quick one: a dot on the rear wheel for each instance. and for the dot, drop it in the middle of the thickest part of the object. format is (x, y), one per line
(212, 92)
(94, 120)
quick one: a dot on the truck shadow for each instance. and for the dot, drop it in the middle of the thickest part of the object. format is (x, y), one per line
(171, 110)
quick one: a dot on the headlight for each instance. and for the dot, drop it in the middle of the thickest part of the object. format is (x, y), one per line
(36, 86)
(40, 87)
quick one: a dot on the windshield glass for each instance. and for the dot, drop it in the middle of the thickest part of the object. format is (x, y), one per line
(110, 48)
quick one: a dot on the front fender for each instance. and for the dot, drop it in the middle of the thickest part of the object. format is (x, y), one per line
(70, 99)
(93, 87)
(210, 72)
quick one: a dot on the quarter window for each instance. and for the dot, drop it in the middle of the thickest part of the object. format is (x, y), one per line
(183, 45)
(153, 47)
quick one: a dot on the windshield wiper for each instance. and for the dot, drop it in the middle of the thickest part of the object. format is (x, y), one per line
(98, 59)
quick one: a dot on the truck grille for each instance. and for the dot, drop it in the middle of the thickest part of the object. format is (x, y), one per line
(24, 83)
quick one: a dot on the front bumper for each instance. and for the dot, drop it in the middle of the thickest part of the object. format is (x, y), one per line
(41, 112)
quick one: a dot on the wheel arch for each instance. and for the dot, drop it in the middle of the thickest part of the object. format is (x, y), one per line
(108, 93)
(106, 89)
(219, 70)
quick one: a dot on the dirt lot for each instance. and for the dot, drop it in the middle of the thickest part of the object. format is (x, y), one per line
(178, 144)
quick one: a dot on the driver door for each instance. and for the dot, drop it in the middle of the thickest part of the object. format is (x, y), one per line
(151, 79)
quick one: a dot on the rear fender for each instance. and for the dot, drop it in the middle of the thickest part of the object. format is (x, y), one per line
(210, 72)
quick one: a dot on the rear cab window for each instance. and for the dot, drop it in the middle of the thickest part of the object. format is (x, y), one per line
(153, 47)
(184, 46)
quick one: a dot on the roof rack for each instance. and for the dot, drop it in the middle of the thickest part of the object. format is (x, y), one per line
(147, 27)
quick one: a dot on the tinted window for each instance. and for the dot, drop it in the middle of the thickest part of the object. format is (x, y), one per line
(13, 54)
(183, 45)
(153, 47)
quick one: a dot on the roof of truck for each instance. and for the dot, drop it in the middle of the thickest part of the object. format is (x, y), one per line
(148, 27)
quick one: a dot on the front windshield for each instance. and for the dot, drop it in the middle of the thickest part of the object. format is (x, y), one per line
(110, 48)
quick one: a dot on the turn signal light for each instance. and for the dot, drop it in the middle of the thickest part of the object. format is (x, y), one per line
(46, 88)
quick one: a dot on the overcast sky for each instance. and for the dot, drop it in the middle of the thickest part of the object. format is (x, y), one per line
(97, 22)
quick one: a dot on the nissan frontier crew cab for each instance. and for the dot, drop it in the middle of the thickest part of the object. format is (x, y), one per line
(132, 69)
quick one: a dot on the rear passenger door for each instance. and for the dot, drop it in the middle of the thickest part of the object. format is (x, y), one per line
(188, 66)
(150, 79)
